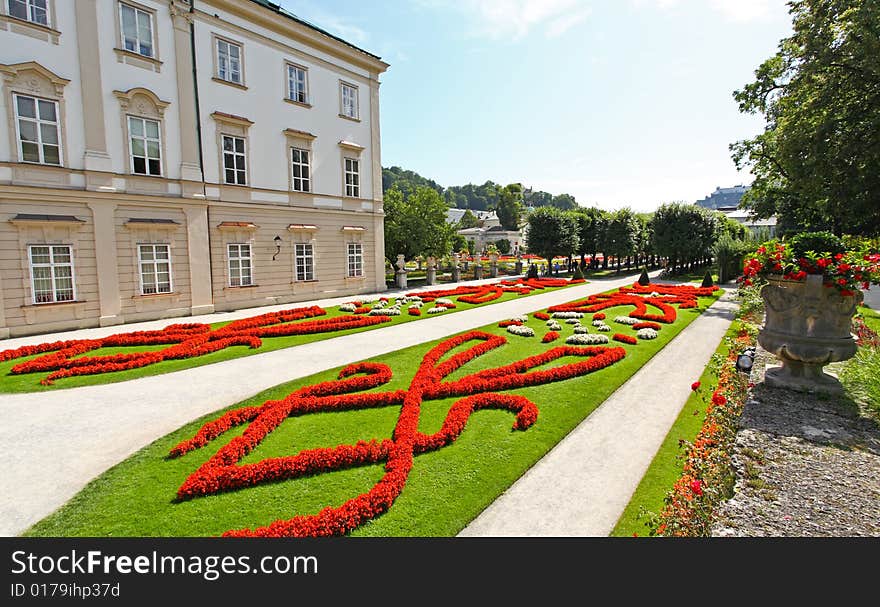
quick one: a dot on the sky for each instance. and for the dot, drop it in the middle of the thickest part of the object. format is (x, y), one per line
(617, 102)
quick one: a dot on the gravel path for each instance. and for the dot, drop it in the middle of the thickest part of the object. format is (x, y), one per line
(806, 466)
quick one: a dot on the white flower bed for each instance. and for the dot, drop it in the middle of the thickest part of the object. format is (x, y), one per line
(579, 330)
(646, 333)
(414, 298)
(626, 320)
(603, 327)
(568, 315)
(572, 321)
(521, 330)
(443, 301)
(347, 307)
(586, 339)
(552, 325)
(520, 319)
(378, 305)
(436, 310)
(416, 304)
(385, 312)
(598, 323)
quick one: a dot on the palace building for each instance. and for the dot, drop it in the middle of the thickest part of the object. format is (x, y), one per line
(169, 158)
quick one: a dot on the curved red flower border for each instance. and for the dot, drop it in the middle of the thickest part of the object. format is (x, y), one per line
(222, 472)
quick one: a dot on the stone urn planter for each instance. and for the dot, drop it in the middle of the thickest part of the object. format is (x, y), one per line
(807, 326)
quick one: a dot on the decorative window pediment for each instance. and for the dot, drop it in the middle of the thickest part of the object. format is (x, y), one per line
(33, 78)
(142, 102)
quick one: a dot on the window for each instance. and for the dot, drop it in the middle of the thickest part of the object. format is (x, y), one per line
(349, 100)
(34, 11)
(355, 259)
(352, 177)
(37, 124)
(302, 181)
(52, 273)
(297, 84)
(137, 30)
(145, 145)
(240, 265)
(305, 261)
(234, 171)
(155, 264)
(228, 61)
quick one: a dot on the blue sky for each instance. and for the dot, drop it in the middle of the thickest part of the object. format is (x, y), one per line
(618, 102)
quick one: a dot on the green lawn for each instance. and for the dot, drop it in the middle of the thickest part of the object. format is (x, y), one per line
(446, 489)
(667, 465)
(30, 382)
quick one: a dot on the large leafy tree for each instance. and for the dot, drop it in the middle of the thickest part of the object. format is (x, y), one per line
(509, 206)
(591, 226)
(816, 163)
(416, 224)
(622, 234)
(552, 233)
(468, 220)
(684, 233)
(566, 202)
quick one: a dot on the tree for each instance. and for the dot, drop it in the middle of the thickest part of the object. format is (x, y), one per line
(815, 164)
(416, 224)
(684, 233)
(552, 233)
(406, 181)
(564, 202)
(591, 226)
(468, 220)
(509, 206)
(621, 236)
(730, 227)
(537, 198)
(503, 246)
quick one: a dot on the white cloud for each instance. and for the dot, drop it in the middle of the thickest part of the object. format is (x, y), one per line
(514, 19)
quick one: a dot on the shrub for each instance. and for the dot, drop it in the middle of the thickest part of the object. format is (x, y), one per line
(817, 242)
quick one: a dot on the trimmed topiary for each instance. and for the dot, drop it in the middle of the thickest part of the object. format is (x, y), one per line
(707, 280)
(644, 279)
(577, 274)
(533, 271)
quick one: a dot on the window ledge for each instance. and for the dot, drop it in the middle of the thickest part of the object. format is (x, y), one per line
(355, 278)
(349, 118)
(37, 27)
(122, 54)
(54, 304)
(304, 282)
(237, 85)
(54, 311)
(299, 103)
(144, 296)
(234, 288)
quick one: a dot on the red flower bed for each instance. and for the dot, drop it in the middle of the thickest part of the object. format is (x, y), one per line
(647, 325)
(626, 339)
(362, 310)
(510, 323)
(599, 316)
(549, 336)
(184, 341)
(415, 312)
(485, 293)
(541, 315)
(222, 472)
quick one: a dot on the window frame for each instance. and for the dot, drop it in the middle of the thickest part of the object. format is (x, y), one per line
(154, 47)
(357, 257)
(357, 102)
(144, 119)
(308, 167)
(289, 66)
(352, 190)
(29, 9)
(239, 258)
(234, 154)
(140, 268)
(51, 265)
(310, 257)
(217, 39)
(39, 122)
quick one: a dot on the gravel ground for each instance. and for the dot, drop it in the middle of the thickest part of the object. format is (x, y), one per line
(805, 466)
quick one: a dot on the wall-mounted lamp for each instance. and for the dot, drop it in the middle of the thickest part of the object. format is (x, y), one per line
(277, 247)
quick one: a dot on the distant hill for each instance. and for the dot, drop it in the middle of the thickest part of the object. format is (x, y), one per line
(724, 197)
(475, 197)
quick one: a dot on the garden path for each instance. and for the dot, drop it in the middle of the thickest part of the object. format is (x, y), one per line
(53, 443)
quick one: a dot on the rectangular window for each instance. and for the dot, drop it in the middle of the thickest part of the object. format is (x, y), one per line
(155, 268)
(302, 181)
(352, 178)
(52, 273)
(228, 61)
(297, 84)
(234, 170)
(305, 261)
(349, 95)
(137, 30)
(240, 265)
(37, 124)
(34, 11)
(145, 145)
(355, 259)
